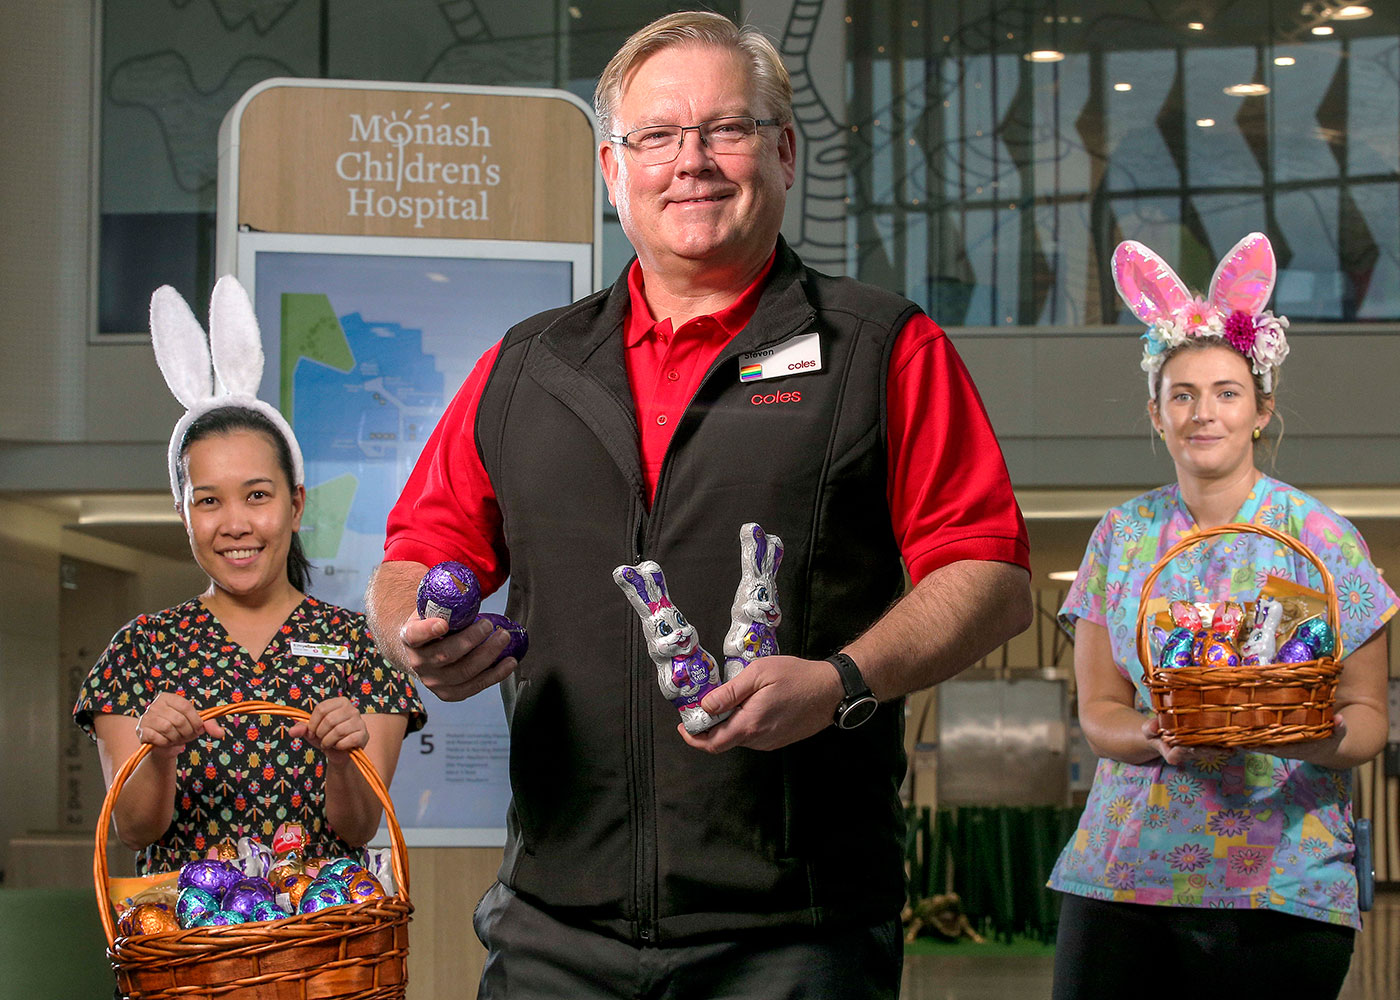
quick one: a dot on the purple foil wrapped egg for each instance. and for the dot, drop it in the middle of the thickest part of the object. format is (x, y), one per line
(267, 910)
(209, 875)
(221, 918)
(450, 591)
(194, 903)
(324, 893)
(1317, 634)
(1295, 650)
(1177, 649)
(519, 643)
(243, 895)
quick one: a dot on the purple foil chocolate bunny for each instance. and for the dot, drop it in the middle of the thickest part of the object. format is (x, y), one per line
(684, 671)
(755, 616)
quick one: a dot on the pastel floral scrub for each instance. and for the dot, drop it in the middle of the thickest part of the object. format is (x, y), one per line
(1231, 829)
(257, 777)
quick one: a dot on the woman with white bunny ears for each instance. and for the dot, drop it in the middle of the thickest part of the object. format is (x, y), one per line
(1231, 864)
(236, 473)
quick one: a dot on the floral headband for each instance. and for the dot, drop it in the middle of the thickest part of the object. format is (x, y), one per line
(1233, 311)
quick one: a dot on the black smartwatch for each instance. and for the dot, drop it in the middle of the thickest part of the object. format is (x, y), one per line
(859, 704)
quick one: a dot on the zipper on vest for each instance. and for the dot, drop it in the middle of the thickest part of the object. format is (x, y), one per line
(643, 780)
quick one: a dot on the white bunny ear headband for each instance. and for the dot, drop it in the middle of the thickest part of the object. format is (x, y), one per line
(1233, 310)
(223, 370)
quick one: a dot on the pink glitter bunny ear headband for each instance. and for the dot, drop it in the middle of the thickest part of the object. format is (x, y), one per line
(1233, 310)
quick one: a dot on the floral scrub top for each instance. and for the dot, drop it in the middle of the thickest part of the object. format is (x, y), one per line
(256, 778)
(1236, 829)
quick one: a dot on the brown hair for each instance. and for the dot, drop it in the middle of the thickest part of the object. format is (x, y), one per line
(697, 27)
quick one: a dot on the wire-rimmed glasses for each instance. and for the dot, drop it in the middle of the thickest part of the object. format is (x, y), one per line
(656, 144)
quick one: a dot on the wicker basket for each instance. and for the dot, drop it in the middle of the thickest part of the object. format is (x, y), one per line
(1268, 705)
(354, 952)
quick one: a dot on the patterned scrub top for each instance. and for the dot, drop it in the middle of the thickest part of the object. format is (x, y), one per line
(1236, 829)
(256, 778)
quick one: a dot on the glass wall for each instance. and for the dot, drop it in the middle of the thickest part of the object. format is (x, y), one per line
(986, 184)
(1000, 150)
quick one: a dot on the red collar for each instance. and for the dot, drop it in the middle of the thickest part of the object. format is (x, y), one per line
(723, 324)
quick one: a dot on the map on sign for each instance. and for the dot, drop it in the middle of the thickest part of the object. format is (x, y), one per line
(364, 352)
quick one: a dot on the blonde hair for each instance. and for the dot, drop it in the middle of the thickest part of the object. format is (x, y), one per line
(697, 27)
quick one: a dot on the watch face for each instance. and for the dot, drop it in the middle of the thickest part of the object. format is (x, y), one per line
(858, 712)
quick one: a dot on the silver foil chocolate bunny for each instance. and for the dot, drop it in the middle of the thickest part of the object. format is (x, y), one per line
(685, 672)
(755, 615)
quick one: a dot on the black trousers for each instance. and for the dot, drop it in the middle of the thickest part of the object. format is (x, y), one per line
(531, 955)
(1113, 950)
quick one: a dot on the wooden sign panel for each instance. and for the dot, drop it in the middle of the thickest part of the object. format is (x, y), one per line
(396, 160)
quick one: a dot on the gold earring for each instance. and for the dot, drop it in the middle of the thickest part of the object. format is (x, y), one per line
(1162, 435)
(1256, 433)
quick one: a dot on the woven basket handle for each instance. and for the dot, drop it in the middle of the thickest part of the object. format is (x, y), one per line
(1333, 614)
(399, 853)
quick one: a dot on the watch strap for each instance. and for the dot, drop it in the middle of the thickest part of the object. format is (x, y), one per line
(851, 679)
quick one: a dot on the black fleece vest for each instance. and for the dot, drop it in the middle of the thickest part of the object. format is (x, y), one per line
(615, 822)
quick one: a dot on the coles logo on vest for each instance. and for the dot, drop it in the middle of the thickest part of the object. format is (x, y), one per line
(764, 398)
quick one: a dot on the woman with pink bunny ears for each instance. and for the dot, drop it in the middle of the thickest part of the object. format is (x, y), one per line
(1234, 863)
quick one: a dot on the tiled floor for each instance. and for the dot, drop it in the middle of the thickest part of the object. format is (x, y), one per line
(1375, 968)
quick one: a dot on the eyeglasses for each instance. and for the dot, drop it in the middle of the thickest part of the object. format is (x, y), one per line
(658, 144)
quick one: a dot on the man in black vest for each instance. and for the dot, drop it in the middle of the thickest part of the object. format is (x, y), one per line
(718, 381)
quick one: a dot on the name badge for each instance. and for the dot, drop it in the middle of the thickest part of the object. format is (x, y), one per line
(321, 650)
(798, 356)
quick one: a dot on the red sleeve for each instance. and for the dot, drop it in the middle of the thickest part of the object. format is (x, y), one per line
(448, 507)
(949, 492)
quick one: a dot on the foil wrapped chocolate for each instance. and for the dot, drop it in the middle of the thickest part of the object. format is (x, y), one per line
(1178, 649)
(340, 868)
(243, 895)
(290, 836)
(1295, 651)
(224, 850)
(519, 639)
(194, 904)
(450, 591)
(147, 918)
(323, 893)
(363, 887)
(1318, 635)
(291, 888)
(221, 918)
(267, 910)
(210, 875)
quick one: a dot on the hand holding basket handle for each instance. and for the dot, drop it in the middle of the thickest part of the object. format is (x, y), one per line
(1269, 704)
(351, 952)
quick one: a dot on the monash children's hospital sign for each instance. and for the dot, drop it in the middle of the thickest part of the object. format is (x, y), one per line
(409, 160)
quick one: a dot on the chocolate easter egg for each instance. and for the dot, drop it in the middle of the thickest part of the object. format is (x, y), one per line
(147, 918)
(1177, 649)
(1295, 651)
(209, 875)
(364, 886)
(450, 591)
(1318, 635)
(323, 893)
(292, 886)
(340, 868)
(243, 895)
(267, 910)
(519, 639)
(193, 904)
(221, 918)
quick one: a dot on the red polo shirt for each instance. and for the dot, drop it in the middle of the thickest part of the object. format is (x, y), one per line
(948, 489)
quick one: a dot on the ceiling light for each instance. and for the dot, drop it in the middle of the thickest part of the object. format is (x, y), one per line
(575, 13)
(1044, 56)
(1351, 12)
(1205, 122)
(1323, 29)
(1067, 575)
(1247, 89)
(1284, 60)
(1195, 26)
(1122, 88)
